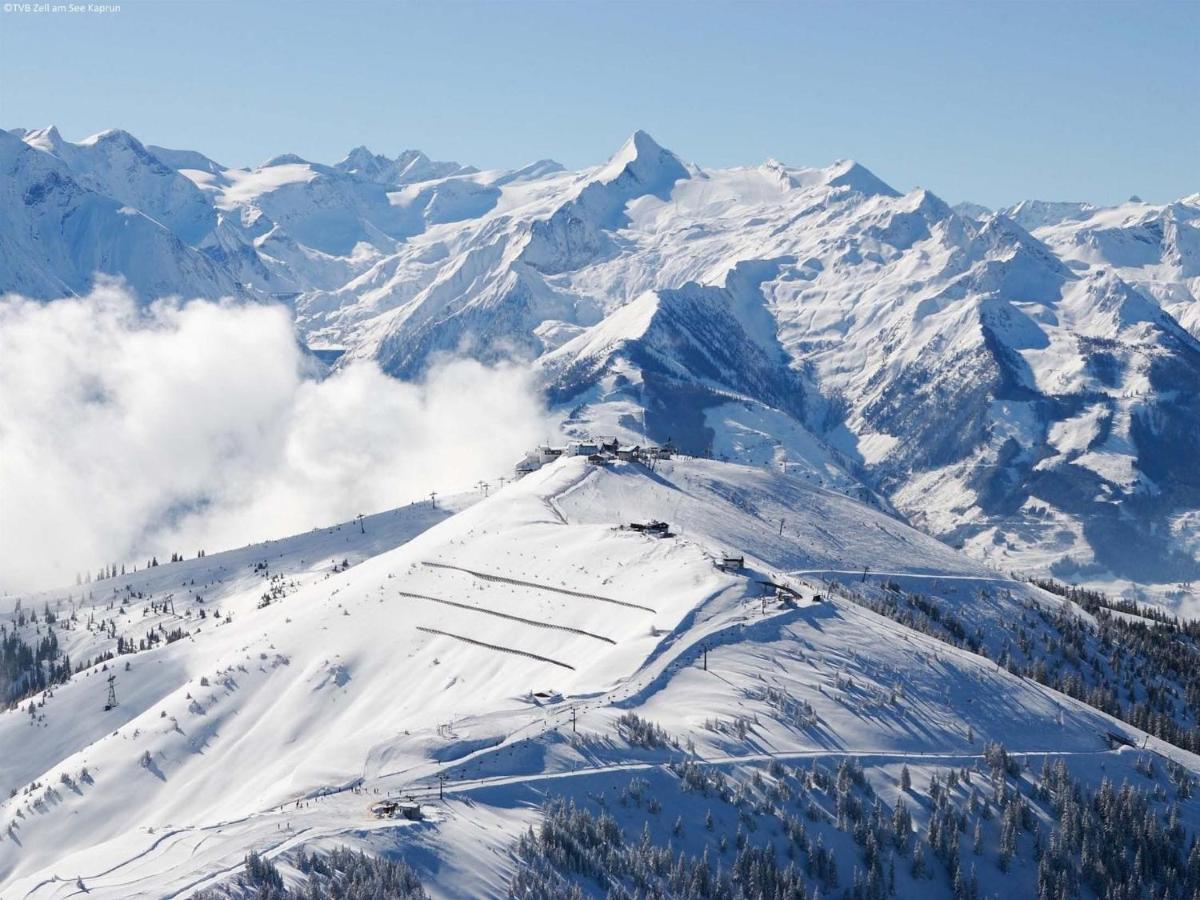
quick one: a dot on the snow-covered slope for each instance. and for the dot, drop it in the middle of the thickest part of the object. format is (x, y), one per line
(504, 649)
(1156, 248)
(1020, 383)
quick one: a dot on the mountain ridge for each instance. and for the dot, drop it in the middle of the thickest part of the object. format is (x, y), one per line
(480, 659)
(944, 355)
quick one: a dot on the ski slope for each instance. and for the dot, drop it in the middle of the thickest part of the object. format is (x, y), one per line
(496, 643)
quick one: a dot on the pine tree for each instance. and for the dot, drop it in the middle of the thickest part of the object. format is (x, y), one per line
(918, 863)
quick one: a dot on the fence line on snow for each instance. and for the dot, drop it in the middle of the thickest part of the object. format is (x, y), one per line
(492, 612)
(496, 647)
(533, 584)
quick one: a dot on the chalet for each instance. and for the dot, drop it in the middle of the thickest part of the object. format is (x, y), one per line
(629, 454)
(652, 528)
(597, 459)
(731, 563)
(583, 448)
(663, 451)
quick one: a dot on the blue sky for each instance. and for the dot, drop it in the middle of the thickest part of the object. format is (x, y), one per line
(993, 102)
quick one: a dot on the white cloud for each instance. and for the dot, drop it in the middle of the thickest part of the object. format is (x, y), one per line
(126, 432)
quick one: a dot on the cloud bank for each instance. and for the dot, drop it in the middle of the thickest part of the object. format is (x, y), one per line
(127, 432)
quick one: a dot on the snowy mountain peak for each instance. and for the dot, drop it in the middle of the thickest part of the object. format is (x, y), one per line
(857, 177)
(364, 163)
(971, 210)
(109, 135)
(409, 167)
(575, 233)
(785, 177)
(186, 159)
(646, 161)
(928, 204)
(358, 156)
(1120, 304)
(538, 169)
(640, 143)
(284, 159)
(48, 139)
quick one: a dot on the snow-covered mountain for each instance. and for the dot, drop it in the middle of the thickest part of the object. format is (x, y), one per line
(60, 231)
(1020, 383)
(1156, 248)
(848, 695)
(410, 166)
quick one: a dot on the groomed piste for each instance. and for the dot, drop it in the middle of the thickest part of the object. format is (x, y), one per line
(490, 655)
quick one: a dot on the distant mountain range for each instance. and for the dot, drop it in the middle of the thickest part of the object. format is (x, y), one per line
(1023, 383)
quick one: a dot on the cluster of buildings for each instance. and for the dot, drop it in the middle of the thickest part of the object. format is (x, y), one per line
(598, 452)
